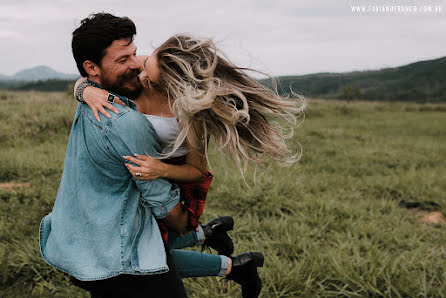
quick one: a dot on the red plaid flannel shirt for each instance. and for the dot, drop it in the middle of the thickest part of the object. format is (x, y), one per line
(192, 196)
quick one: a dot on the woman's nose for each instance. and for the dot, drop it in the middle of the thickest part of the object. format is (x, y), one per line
(142, 75)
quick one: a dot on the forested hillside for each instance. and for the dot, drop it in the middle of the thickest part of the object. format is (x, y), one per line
(421, 81)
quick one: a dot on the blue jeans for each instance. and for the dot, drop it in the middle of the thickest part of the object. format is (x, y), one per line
(191, 263)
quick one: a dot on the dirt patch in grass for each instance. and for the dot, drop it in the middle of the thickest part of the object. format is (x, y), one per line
(426, 212)
(426, 217)
(13, 185)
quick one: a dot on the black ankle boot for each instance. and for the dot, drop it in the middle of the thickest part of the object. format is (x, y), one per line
(244, 272)
(216, 236)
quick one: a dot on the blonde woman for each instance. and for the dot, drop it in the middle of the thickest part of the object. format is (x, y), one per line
(196, 94)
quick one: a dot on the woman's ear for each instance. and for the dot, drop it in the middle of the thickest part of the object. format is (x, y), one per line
(91, 68)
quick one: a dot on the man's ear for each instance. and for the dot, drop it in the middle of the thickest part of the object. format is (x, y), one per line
(91, 68)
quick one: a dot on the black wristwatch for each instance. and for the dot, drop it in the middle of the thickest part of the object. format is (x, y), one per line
(80, 91)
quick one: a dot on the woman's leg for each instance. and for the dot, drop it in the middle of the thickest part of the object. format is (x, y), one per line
(194, 238)
(213, 234)
(191, 263)
(241, 268)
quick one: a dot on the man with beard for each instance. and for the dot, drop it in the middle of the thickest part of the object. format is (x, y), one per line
(102, 230)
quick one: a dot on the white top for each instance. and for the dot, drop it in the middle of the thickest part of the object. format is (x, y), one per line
(167, 130)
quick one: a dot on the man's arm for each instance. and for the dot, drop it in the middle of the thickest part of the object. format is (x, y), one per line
(131, 133)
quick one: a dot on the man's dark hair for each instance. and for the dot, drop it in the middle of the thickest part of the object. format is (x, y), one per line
(95, 34)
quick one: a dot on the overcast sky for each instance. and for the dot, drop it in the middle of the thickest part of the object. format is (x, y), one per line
(277, 36)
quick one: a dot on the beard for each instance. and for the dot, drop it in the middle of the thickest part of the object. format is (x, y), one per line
(126, 84)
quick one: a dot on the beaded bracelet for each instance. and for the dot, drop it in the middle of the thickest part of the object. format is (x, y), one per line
(80, 91)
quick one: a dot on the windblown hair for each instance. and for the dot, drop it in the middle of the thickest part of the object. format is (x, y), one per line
(212, 97)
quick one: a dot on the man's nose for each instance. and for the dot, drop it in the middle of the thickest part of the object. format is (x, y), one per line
(134, 63)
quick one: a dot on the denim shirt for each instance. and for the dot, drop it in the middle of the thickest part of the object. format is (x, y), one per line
(103, 222)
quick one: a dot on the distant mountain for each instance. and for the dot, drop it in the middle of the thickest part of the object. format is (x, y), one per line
(38, 73)
(419, 81)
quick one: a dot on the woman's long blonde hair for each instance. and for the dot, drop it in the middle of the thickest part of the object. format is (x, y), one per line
(211, 97)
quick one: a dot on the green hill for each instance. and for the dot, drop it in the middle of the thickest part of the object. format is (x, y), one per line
(421, 81)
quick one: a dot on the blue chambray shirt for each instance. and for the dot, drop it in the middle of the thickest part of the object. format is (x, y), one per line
(103, 221)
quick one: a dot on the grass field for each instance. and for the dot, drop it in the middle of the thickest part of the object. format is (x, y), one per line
(329, 226)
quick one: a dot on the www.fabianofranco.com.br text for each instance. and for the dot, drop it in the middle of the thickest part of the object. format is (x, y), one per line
(436, 9)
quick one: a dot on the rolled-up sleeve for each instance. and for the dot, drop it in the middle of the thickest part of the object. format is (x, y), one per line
(131, 133)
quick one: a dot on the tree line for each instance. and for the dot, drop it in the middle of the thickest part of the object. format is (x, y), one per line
(423, 81)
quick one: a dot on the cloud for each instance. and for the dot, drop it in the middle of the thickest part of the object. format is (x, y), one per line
(11, 35)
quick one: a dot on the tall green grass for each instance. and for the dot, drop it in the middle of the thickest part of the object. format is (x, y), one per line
(329, 226)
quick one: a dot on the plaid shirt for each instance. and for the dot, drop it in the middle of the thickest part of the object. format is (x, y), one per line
(192, 196)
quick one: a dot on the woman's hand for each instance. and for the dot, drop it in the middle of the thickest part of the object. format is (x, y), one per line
(96, 99)
(149, 168)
